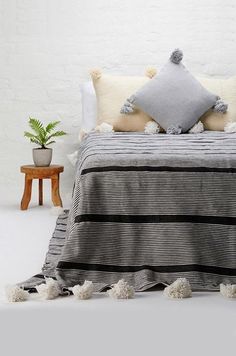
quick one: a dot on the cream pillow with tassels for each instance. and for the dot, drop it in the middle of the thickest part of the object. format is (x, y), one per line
(111, 92)
(226, 89)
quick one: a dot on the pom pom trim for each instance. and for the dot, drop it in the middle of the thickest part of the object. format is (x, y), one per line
(56, 210)
(176, 56)
(150, 72)
(230, 127)
(179, 289)
(228, 290)
(104, 128)
(16, 294)
(128, 107)
(121, 290)
(82, 134)
(83, 292)
(151, 127)
(197, 128)
(95, 73)
(220, 106)
(48, 290)
(174, 130)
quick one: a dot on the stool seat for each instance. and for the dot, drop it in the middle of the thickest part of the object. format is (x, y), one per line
(32, 172)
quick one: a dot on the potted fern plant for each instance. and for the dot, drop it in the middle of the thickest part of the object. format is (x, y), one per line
(43, 136)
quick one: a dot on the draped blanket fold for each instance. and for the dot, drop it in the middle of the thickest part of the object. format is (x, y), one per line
(149, 209)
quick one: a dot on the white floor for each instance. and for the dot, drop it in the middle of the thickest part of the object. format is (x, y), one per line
(148, 324)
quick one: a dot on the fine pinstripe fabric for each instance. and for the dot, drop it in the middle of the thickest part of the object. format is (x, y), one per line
(151, 208)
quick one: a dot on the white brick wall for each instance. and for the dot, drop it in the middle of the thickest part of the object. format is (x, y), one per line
(47, 47)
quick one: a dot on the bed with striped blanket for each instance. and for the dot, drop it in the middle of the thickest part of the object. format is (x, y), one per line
(149, 209)
(152, 208)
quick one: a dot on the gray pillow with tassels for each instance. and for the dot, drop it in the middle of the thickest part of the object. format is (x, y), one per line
(174, 98)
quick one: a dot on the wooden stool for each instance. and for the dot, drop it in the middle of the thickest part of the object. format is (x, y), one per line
(40, 173)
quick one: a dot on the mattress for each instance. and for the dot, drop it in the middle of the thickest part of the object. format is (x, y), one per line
(150, 209)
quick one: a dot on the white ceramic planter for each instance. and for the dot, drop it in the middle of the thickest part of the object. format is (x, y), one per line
(42, 157)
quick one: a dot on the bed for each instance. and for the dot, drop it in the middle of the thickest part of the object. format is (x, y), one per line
(150, 209)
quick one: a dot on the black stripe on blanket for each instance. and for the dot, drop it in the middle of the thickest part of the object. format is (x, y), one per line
(43, 276)
(157, 219)
(157, 169)
(160, 269)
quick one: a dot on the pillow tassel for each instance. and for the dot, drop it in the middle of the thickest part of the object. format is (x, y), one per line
(197, 128)
(95, 73)
(174, 130)
(176, 56)
(128, 107)
(104, 128)
(151, 127)
(230, 127)
(220, 106)
(151, 72)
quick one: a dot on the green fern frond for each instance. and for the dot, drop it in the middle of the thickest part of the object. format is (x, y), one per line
(51, 126)
(36, 126)
(34, 140)
(57, 134)
(29, 135)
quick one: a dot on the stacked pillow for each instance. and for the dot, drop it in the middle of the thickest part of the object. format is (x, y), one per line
(174, 98)
(111, 92)
(226, 89)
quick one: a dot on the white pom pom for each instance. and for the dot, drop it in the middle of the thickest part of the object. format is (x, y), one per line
(48, 290)
(95, 73)
(16, 294)
(150, 72)
(230, 127)
(121, 290)
(228, 290)
(151, 127)
(179, 289)
(104, 127)
(83, 292)
(197, 128)
(56, 210)
(73, 157)
(82, 134)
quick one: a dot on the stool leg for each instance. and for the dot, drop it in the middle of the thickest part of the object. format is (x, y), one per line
(56, 199)
(27, 193)
(40, 192)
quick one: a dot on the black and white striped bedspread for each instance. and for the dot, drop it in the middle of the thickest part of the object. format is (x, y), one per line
(152, 208)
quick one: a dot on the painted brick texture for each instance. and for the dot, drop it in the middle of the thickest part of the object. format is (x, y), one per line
(48, 46)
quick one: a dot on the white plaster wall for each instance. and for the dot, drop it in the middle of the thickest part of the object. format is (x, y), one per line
(47, 47)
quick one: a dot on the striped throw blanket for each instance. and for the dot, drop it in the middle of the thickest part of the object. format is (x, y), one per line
(150, 209)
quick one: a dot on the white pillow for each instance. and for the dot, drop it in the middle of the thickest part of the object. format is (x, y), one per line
(89, 106)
